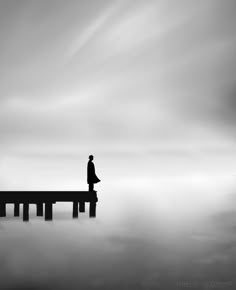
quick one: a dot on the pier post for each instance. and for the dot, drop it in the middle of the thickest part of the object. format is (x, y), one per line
(2, 209)
(92, 209)
(44, 200)
(16, 209)
(81, 206)
(39, 209)
(48, 211)
(75, 209)
(25, 212)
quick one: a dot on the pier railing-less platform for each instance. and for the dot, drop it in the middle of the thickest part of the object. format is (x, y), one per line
(46, 199)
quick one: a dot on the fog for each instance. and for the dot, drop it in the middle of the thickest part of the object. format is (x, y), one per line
(148, 88)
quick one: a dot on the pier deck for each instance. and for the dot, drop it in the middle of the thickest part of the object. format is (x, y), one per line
(46, 199)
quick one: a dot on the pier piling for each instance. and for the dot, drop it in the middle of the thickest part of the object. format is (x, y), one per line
(48, 211)
(25, 212)
(16, 209)
(75, 209)
(81, 206)
(44, 201)
(92, 209)
(39, 209)
(2, 209)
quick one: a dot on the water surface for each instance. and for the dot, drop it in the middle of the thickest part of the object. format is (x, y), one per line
(175, 232)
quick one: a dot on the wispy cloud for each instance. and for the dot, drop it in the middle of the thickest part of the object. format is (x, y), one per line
(150, 76)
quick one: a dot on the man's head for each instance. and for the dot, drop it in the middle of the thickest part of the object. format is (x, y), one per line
(90, 157)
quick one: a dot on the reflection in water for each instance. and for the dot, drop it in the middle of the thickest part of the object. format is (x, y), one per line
(168, 237)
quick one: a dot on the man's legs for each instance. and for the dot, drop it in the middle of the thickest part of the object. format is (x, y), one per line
(90, 186)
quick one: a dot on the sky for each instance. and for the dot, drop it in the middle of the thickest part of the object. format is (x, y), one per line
(148, 88)
(145, 86)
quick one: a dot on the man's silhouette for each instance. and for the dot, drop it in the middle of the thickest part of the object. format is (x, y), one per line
(91, 175)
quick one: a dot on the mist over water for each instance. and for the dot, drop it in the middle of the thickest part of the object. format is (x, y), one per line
(147, 235)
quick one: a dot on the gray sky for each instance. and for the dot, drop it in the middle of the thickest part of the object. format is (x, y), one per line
(148, 87)
(114, 78)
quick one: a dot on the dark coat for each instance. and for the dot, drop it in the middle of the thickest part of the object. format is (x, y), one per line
(91, 175)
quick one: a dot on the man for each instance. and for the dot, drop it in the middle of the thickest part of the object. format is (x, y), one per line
(91, 175)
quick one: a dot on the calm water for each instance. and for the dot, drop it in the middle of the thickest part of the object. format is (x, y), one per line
(170, 233)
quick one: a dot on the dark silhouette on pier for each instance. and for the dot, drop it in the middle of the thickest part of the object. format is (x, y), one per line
(91, 175)
(44, 201)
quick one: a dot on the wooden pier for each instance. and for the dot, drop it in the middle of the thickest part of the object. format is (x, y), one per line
(44, 201)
